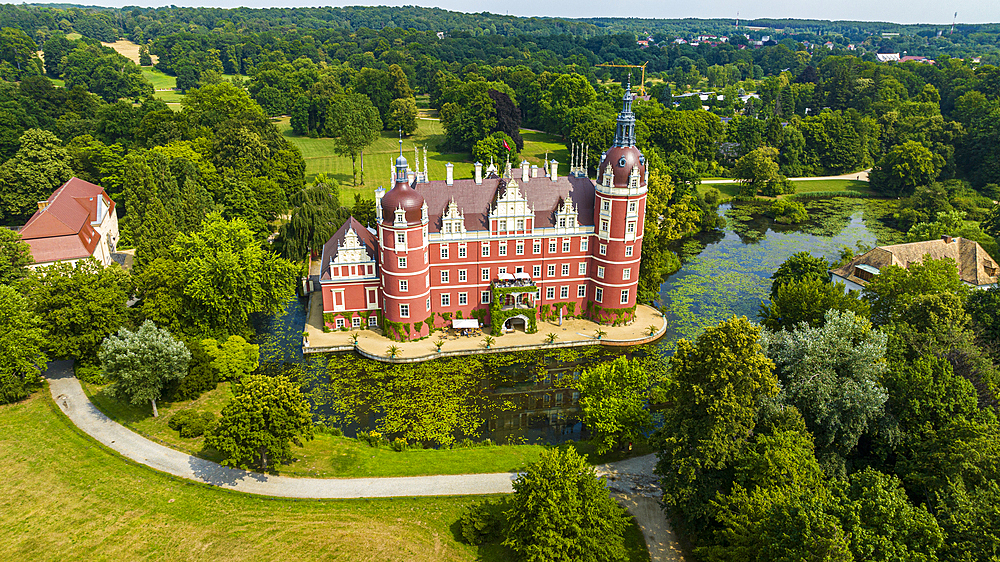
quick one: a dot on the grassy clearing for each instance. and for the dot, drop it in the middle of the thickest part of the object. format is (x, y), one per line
(812, 186)
(66, 497)
(321, 159)
(159, 80)
(807, 186)
(326, 456)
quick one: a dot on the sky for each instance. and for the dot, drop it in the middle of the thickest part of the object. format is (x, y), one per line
(899, 11)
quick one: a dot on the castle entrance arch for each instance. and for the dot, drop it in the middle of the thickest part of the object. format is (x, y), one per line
(519, 322)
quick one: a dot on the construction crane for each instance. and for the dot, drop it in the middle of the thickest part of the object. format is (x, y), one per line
(642, 85)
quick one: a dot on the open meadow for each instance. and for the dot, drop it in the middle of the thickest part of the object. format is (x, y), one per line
(321, 158)
(65, 497)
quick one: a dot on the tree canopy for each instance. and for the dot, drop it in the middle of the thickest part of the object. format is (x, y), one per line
(141, 363)
(613, 400)
(22, 340)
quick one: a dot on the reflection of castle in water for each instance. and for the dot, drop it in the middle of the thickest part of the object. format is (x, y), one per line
(532, 409)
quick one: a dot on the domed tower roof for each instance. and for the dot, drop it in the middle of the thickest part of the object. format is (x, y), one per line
(623, 155)
(402, 196)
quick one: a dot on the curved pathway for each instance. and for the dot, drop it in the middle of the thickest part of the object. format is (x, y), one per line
(69, 395)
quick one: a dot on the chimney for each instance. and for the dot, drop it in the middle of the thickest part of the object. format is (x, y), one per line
(555, 169)
(524, 170)
(534, 170)
(947, 239)
(479, 173)
(449, 169)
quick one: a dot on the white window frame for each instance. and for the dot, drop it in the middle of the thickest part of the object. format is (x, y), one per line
(444, 251)
(373, 320)
(463, 275)
(428, 303)
(404, 286)
(603, 249)
(632, 206)
(552, 246)
(340, 323)
(461, 251)
(485, 274)
(605, 204)
(630, 227)
(583, 244)
(628, 251)
(565, 246)
(519, 224)
(581, 268)
(484, 297)
(502, 225)
(536, 247)
(485, 249)
(502, 250)
(624, 296)
(581, 291)
(445, 299)
(445, 276)
(401, 238)
(401, 262)
(519, 248)
(501, 270)
(600, 272)
(626, 274)
(564, 292)
(355, 321)
(605, 225)
(599, 294)
(536, 271)
(551, 272)
(404, 311)
(550, 293)
(463, 299)
(565, 269)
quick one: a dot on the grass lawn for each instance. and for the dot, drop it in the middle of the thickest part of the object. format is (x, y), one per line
(158, 79)
(813, 186)
(321, 159)
(808, 186)
(65, 497)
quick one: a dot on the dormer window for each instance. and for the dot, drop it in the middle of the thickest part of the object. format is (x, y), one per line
(562, 223)
(503, 226)
(400, 216)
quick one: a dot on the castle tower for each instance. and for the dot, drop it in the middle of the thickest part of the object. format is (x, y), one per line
(402, 235)
(619, 212)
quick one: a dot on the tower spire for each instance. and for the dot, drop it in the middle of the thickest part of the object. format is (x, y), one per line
(625, 131)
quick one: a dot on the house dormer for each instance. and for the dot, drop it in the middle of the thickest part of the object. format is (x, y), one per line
(453, 221)
(511, 214)
(566, 216)
(400, 218)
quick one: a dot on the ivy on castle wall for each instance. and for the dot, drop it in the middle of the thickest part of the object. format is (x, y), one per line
(610, 316)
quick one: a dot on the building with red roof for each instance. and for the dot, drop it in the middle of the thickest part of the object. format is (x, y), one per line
(77, 221)
(506, 249)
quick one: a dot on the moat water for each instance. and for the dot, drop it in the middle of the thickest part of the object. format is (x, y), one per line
(723, 273)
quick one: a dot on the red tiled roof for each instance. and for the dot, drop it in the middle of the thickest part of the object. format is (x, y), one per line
(62, 230)
(475, 201)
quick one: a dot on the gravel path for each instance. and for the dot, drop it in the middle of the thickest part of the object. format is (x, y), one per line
(69, 395)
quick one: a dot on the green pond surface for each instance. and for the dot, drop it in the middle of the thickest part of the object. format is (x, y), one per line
(729, 272)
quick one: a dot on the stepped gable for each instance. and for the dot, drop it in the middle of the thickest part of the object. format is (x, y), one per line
(62, 230)
(475, 201)
(333, 245)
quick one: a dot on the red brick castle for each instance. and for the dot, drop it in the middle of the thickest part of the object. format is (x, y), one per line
(505, 249)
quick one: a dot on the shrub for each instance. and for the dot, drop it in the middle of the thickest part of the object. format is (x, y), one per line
(190, 424)
(202, 376)
(789, 212)
(484, 522)
(399, 445)
(372, 438)
(90, 374)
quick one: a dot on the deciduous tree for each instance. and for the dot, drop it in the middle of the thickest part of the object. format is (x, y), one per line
(613, 400)
(561, 512)
(258, 426)
(807, 300)
(233, 358)
(357, 126)
(40, 165)
(15, 255)
(143, 362)
(21, 341)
